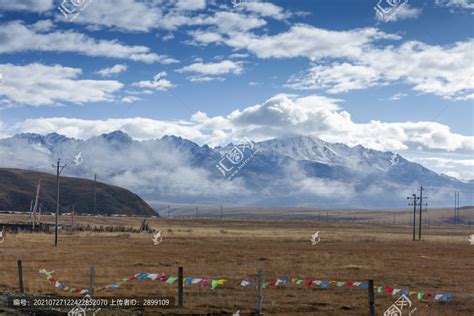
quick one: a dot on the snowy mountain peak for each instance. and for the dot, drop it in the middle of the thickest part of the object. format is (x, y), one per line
(117, 137)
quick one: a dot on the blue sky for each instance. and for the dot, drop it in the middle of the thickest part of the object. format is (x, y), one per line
(216, 71)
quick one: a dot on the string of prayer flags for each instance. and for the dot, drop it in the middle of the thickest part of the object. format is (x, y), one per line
(140, 276)
(348, 284)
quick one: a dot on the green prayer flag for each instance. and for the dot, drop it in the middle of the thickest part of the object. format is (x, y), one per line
(299, 282)
(340, 283)
(171, 279)
(420, 295)
(380, 289)
(214, 284)
(265, 285)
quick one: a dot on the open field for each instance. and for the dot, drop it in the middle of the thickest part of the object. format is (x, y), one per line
(235, 250)
(379, 216)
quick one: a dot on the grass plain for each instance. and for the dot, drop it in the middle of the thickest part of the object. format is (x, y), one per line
(235, 250)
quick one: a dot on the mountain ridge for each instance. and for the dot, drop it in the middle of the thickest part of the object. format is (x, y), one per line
(298, 169)
(18, 188)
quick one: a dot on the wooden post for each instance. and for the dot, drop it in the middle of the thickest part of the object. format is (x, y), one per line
(180, 287)
(20, 277)
(91, 281)
(259, 308)
(371, 298)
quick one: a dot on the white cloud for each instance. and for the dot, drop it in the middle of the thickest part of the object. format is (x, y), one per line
(220, 68)
(455, 166)
(114, 70)
(335, 78)
(43, 26)
(128, 15)
(462, 4)
(441, 70)
(38, 84)
(266, 9)
(130, 99)
(158, 83)
(26, 5)
(303, 40)
(234, 22)
(403, 12)
(141, 16)
(239, 55)
(397, 96)
(190, 4)
(205, 37)
(281, 116)
(17, 37)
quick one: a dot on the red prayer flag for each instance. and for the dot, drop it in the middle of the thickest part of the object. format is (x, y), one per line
(389, 290)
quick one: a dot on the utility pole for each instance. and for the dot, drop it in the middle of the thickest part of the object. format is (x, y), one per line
(169, 212)
(222, 212)
(456, 207)
(59, 169)
(197, 211)
(455, 204)
(95, 193)
(421, 189)
(414, 198)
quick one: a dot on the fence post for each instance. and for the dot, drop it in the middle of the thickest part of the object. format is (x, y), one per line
(91, 281)
(371, 298)
(180, 287)
(20, 276)
(259, 309)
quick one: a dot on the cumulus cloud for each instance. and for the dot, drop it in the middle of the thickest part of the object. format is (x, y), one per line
(190, 4)
(158, 83)
(462, 4)
(266, 9)
(220, 68)
(335, 78)
(26, 5)
(130, 99)
(38, 84)
(303, 40)
(15, 37)
(435, 69)
(114, 70)
(208, 72)
(402, 12)
(280, 116)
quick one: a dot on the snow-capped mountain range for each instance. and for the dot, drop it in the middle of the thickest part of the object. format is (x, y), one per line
(297, 171)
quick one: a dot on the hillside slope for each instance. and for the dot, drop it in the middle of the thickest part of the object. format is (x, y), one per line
(18, 188)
